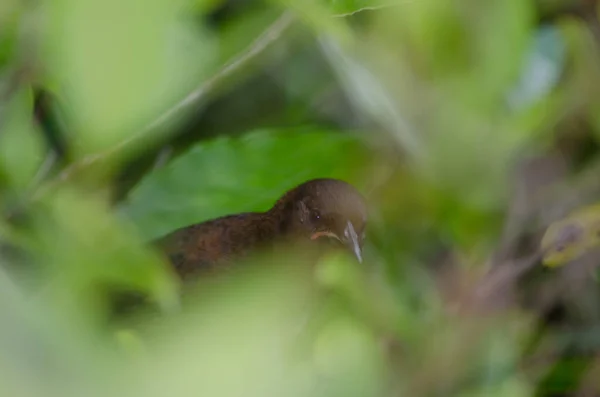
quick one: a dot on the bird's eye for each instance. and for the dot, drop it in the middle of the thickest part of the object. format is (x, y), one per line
(316, 216)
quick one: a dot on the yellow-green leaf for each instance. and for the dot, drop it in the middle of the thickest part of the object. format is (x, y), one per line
(572, 236)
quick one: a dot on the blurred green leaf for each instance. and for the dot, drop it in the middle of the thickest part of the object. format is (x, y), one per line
(226, 176)
(86, 253)
(236, 35)
(242, 338)
(21, 145)
(120, 63)
(206, 6)
(10, 17)
(318, 17)
(131, 343)
(503, 37)
(571, 237)
(542, 68)
(347, 349)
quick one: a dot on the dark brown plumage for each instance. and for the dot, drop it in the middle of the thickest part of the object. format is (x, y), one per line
(317, 209)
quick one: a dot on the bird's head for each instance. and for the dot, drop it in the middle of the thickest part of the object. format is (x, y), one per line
(327, 209)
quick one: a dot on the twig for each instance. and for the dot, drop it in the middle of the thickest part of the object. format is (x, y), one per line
(372, 8)
(501, 278)
(270, 35)
(163, 157)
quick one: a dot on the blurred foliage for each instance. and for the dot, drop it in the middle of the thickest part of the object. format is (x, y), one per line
(437, 111)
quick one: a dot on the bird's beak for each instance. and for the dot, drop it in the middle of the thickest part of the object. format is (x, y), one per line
(351, 240)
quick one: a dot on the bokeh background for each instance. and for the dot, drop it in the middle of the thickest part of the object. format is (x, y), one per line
(471, 127)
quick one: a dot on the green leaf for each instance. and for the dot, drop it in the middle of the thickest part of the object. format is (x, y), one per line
(501, 40)
(85, 250)
(208, 5)
(130, 343)
(10, 20)
(225, 176)
(119, 63)
(21, 146)
(238, 34)
(542, 68)
(571, 237)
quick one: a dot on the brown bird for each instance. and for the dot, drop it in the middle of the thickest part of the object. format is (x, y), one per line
(314, 210)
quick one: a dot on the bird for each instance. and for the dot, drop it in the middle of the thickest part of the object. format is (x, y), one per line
(316, 210)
